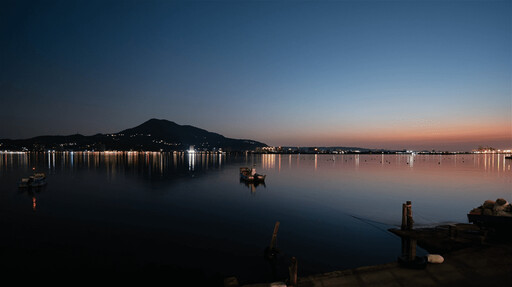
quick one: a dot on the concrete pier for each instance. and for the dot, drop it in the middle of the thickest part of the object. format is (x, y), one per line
(470, 259)
(483, 266)
(467, 267)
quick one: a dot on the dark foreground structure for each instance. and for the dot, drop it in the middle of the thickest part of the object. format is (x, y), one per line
(471, 255)
(471, 258)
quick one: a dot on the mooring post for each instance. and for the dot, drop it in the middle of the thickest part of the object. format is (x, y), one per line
(412, 249)
(293, 271)
(274, 236)
(410, 221)
(404, 216)
(408, 248)
(404, 244)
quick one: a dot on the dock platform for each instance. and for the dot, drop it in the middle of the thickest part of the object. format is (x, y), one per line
(471, 258)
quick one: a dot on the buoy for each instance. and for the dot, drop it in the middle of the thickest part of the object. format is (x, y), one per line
(435, 258)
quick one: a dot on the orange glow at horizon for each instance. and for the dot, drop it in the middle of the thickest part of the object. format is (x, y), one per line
(442, 134)
(398, 137)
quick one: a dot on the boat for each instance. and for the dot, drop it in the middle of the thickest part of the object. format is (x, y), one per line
(40, 175)
(493, 221)
(35, 180)
(492, 214)
(249, 174)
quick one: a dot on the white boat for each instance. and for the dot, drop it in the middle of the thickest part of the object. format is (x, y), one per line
(249, 174)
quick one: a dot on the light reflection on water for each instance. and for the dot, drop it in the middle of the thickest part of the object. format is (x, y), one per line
(433, 178)
(334, 209)
(152, 161)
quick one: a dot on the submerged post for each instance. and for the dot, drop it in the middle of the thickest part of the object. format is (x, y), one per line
(274, 236)
(271, 251)
(293, 271)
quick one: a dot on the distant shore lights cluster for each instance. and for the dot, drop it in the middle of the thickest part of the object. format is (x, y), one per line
(507, 151)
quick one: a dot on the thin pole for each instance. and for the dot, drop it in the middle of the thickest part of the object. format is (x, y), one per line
(274, 236)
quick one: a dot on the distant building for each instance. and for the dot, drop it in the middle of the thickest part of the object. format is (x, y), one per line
(266, 149)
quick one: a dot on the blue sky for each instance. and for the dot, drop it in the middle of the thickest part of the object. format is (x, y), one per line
(394, 74)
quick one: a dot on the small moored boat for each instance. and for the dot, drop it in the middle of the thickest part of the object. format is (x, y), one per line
(495, 214)
(35, 180)
(249, 174)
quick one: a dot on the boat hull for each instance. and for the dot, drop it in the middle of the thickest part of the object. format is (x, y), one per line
(39, 179)
(256, 177)
(25, 185)
(493, 221)
(247, 175)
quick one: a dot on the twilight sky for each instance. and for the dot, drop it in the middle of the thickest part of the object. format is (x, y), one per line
(380, 74)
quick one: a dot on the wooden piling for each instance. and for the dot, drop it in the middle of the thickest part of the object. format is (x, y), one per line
(412, 249)
(408, 248)
(404, 216)
(274, 236)
(293, 272)
(271, 251)
(410, 221)
(404, 245)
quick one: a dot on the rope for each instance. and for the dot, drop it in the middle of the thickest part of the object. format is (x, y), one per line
(372, 223)
(428, 221)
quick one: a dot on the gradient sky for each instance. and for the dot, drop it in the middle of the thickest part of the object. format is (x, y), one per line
(381, 74)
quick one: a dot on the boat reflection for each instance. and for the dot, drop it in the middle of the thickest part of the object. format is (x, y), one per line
(252, 185)
(33, 193)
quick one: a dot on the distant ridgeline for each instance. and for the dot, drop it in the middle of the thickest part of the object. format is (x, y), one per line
(153, 135)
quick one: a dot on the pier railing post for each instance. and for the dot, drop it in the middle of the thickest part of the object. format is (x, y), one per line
(293, 272)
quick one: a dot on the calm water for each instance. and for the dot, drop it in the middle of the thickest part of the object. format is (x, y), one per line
(191, 215)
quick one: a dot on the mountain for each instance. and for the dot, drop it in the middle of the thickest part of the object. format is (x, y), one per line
(153, 135)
